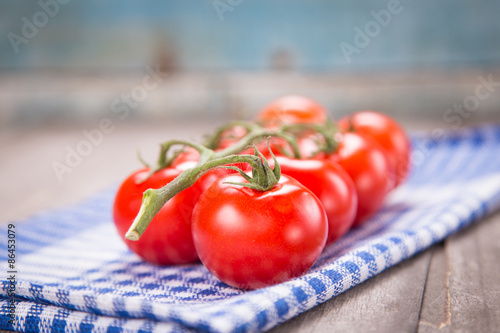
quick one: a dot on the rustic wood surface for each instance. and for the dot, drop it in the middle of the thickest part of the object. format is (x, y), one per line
(452, 287)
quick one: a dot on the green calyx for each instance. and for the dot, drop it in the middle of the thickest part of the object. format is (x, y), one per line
(263, 177)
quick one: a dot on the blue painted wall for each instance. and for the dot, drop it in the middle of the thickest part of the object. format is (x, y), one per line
(301, 35)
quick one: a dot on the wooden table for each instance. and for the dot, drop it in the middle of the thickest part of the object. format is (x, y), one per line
(453, 286)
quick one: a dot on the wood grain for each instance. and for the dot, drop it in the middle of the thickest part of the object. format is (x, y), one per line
(435, 312)
(28, 181)
(463, 294)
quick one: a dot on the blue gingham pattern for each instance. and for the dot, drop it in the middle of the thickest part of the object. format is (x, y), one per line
(75, 274)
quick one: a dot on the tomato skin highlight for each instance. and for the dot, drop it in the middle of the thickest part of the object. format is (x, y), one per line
(188, 155)
(251, 239)
(368, 166)
(168, 239)
(230, 136)
(292, 109)
(388, 134)
(333, 187)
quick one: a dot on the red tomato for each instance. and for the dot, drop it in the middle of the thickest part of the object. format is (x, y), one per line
(188, 155)
(231, 136)
(368, 166)
(292, 109)
(388, 133)
(333, 187)
(277, 145)
(191, 156)
(243, 166)
(168, 239)
(251, 239)
(308, 146)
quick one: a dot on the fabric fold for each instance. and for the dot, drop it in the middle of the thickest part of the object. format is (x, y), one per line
(75, 274)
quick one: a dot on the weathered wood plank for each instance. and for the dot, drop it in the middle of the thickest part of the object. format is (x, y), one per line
(463, 289)
(435, 312)
(389, 302)
(28, 181)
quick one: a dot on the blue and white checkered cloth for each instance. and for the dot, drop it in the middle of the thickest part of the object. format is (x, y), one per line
(75, 274)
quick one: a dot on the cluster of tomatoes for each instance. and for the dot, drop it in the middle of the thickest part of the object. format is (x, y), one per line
(252, 238)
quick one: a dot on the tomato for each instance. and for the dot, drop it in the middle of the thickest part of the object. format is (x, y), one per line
(168, 239)
(277, 145)
(308, 146)
(388, 133)
(333, 187)
(188, 155)
(292, 109)
(230, 136)
(251, 239)
(368, 166)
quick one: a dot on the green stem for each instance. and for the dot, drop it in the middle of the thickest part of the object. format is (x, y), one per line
(213, 141)
(264, 177)
(327, 132)
(255, 132)
(254, 135)
(163, 162)
(154, 199)
(165, 147)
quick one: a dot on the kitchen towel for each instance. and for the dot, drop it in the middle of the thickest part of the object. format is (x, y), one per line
(73, 273)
